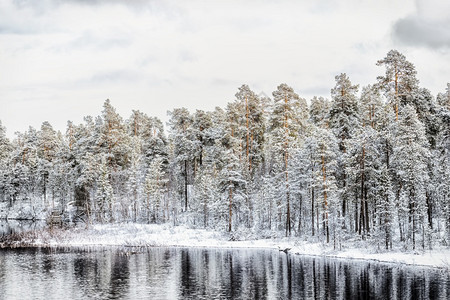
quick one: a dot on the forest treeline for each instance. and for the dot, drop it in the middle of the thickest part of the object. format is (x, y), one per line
(364, 165)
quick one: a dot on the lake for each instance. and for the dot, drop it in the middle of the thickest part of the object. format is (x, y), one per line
(194, 273)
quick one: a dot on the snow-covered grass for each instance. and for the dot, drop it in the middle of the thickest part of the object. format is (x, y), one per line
(153, 235)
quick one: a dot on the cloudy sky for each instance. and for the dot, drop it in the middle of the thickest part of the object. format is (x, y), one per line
(60, 59)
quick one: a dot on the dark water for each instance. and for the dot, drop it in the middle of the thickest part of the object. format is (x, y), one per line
(177, 273)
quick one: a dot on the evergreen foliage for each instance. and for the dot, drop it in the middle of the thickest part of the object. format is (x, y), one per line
(374, 166)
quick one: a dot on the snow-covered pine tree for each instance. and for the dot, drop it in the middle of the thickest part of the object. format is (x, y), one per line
(344, 122)
(182, 139)
(427, 112)
(5, 145)
(154, 189)
(441, 170)
(410, 159)
(232, 182)
(220, 137)
(251, 122)
(25, 153)
(17, 182)
(344, 115)
(207, 197)
(150, 132)
(134, 177)
(319, 109)
(84, 164)
(363, 161)
(326, 159)
(288, 118)
(47, 148)
(443, 99)
(113, 139)
(201, 123)
(371, 149)
(399, 82)
(385, 208)
(104, 195)
(5, 152)
(85, 186)
(61, 178)
(308, 167)
(371, 106)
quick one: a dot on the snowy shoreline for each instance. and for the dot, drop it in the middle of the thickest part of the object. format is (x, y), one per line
(165, 235)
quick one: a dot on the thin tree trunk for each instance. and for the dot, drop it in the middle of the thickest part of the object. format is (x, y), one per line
(312, 211)
(361, 218)
(148, 208)
(135, 206)
(366, 211)
(325, 197)
(317, 219)
(185, 186)
(344, 201)
(300, 215)
(205, 213)
(288, 210)
(429, 210)
(414, 231)
(386, 222)
(247, 146)
(230, 207)
(396, 94)
(364, 215)
(88, 215)
(357, 216)
(286, 159)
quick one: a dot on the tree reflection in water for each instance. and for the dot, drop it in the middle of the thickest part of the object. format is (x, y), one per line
(176, 273)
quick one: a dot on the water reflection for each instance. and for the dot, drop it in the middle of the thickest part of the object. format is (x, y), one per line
(175, 273)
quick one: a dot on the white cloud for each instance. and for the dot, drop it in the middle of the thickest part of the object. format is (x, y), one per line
(61, 59)
(428, 26)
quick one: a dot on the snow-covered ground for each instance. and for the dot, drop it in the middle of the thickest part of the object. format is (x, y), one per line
(182, 236)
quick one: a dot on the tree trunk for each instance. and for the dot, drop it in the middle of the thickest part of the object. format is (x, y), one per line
(185, 186)
(344, 201)
(286, 160)
(205, 214)
(148, 208)
(300, 215)
(387, 228)
(356, 216)
(312, 211)
(317, 218)
(429, 210)
(247, 146)
(288, 209)
(366, 212)
(325, 197)
(396, 94)
(414, 231)
(362, 223)
(230, 207)
(361, 218)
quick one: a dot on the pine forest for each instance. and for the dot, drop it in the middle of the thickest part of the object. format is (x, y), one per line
(371, 165)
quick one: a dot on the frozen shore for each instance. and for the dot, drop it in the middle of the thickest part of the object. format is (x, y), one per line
(152, 235)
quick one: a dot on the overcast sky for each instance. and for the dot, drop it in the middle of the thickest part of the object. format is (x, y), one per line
(60, 59)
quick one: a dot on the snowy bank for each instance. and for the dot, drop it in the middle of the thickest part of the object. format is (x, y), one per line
(153, 235)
